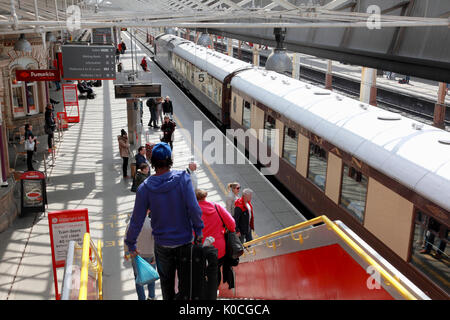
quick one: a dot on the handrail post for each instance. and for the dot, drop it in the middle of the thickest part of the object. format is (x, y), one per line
(84, 276)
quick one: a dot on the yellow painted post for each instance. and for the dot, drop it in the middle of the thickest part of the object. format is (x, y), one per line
(100, 270)
(84, 267)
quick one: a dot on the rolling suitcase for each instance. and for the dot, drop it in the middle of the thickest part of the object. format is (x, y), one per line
(204, 273)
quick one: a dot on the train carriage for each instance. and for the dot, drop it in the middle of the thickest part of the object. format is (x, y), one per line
(384, 175)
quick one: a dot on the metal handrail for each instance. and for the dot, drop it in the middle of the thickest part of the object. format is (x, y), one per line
(88, 247)
(352, 244)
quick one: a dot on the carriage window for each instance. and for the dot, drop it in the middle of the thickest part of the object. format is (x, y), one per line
(234, 104)
(269, 127)
(430, 249)
(219, 97)
(210, 86)
(246, 115)
(317, 168)
(353, 192)
(290, 146)
(192, 71)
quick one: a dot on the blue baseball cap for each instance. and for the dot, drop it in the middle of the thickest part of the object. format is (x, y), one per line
(161, 151)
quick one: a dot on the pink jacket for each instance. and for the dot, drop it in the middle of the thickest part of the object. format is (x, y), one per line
(214, 226)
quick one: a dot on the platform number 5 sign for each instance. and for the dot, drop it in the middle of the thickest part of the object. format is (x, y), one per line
(200, 76)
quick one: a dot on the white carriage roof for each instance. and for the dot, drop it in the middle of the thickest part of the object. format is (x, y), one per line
(413, 157)
(216, 64)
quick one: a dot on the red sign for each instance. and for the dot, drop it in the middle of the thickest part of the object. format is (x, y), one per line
(62, 120)
(32, 175)
(37, 75)
(70, 94)
(65, 226)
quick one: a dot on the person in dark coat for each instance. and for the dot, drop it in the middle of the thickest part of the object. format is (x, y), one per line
(167, 106)
(142, 173)
(49, 124)
(140, 157)
(168, 129)
(243, 215)
(151, 104)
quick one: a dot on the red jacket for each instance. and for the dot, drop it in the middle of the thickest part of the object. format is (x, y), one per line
(214, 226)
(240, 204)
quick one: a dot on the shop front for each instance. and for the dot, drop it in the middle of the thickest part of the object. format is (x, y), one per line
(21, 102)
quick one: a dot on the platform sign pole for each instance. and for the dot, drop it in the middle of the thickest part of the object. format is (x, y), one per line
(65, 226)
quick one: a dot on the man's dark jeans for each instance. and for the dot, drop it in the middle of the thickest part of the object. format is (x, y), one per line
(167, 261)
(152, 121)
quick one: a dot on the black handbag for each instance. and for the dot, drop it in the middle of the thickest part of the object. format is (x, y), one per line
(234, 247)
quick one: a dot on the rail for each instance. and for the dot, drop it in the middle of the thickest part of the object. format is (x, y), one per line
(87, 263)
(270, 242)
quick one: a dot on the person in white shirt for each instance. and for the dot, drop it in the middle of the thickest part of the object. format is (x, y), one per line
(146, 248)
(234, 188)
(191, 171)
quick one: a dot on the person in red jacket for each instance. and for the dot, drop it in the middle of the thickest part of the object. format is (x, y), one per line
(144, 64)
(214, 216)
(243, 215)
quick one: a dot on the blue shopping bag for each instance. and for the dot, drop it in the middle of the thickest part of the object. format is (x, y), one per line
(145, 272)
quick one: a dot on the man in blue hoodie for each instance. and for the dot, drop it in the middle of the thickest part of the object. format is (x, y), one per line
(176, 217)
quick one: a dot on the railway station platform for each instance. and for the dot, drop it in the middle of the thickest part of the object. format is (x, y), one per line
(87, 173)
(421, 88)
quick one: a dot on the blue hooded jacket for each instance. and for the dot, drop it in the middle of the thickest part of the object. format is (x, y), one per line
(174, 210)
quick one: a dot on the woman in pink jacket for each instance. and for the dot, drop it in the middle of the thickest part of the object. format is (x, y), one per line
(214, 225)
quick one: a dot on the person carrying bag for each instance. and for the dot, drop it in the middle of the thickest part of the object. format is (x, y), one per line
(29, 145)
(234, 247)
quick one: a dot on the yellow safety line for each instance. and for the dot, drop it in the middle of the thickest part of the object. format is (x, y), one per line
(84, 267)
(389, 278)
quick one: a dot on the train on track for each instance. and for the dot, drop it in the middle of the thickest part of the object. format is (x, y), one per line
(384, 175)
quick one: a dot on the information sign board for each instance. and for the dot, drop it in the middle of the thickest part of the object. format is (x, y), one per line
(101, 35)
(70, 94)
(137, 90)
(88, 62)
(65, 226)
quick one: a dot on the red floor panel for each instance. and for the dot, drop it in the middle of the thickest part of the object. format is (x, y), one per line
(325, 273)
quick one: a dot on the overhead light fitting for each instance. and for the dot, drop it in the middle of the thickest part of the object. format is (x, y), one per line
(50, 37)
(23, 44)
(204, 40)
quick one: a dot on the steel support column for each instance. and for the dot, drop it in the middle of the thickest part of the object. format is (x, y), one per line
(329, 75)
(439, 108)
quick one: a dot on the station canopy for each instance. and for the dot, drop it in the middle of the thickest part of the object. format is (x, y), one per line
(404, 36)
